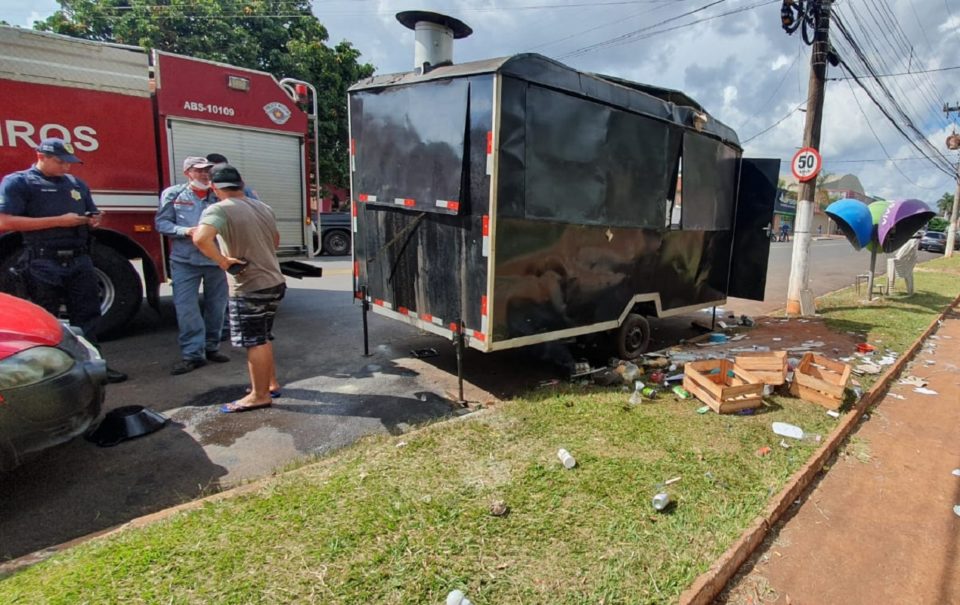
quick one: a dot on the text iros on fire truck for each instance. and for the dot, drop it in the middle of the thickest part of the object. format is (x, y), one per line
(20, 133)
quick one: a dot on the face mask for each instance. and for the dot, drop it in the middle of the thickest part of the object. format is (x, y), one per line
(199, 186)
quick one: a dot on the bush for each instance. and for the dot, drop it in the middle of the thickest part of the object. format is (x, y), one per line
(938, 224)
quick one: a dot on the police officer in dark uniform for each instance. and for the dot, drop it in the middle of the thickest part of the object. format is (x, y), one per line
(54, 212)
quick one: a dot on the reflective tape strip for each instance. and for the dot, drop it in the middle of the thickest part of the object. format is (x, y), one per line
(431, 319)
(403, 311)
(483, 316)
(365, 197)
(486, 235)
(382, 303)
(484, 324)
(356, 268)
(489, 152)
(449, 205)
(354, 224)
(353, 155)
(404, 201)
(358, 295)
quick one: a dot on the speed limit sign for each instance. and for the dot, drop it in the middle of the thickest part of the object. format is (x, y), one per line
(806, 164)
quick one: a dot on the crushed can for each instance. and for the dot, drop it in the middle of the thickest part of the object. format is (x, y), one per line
(681, 392)
(649, 392)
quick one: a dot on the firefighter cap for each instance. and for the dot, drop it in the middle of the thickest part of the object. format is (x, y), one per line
(225, 175)
(59, 148)
(195, 162)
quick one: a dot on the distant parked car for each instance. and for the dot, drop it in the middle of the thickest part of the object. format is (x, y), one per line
(934, 241)
(51, 381)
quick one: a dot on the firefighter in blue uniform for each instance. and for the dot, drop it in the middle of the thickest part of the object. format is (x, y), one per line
(54, 212)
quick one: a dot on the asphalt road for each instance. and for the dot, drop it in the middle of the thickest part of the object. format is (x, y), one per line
(332, 396)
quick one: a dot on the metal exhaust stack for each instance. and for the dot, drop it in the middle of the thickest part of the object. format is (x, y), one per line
(434, 38)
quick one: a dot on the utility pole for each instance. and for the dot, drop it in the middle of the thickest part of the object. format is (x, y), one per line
(952, 227)
(799, 295)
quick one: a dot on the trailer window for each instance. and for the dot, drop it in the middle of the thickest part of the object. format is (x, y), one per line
(708, 182)
(588, 163)
(409, 145)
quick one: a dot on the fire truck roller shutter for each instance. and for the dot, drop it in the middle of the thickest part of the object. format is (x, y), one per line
(271, 163)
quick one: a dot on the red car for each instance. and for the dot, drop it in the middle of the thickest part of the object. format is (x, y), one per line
(51, 381)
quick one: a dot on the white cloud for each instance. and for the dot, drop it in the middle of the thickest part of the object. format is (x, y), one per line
(742, 68)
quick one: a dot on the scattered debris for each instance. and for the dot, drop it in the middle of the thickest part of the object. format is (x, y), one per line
(568, 461)
(456, 597)
(674, 480)
(913, 381)
(424, 353)
(867, 368)
(794, 432)
(925, 391)
(681, 392)
(723, 385)
(703, 409)
(864, 347)
(401, 444)
(662, 500)
(956, 510)
(763, 451)
(746, 321)
(833, 413)
(896, 396)
(499, 508)
(956, 472)
(784, 444)
(549, 383)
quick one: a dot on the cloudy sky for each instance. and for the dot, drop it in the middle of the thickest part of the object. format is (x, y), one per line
(741, 66)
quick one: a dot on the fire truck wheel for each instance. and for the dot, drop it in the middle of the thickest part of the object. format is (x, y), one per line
(336, 243)
(121, 291)
(632, 337)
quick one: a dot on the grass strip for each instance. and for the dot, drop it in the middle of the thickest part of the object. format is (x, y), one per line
(407, 519)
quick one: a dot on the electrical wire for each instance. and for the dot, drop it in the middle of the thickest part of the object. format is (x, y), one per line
(937, 159)
(903, 73)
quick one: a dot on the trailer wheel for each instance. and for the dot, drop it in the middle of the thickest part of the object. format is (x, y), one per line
(336, 243)
(632, 337)
(121, 291)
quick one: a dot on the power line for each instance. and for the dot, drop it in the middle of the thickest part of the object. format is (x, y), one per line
(775, 124)
(636, 32)
(903, 73)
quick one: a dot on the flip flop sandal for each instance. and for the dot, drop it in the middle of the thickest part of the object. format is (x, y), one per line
(276, 393)
(236, 408)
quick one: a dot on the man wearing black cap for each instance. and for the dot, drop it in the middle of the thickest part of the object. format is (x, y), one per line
(55, 212)
(248, 230)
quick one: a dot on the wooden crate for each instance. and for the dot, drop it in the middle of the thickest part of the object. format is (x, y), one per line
(820, 380)
(769, 366)
(719, 390)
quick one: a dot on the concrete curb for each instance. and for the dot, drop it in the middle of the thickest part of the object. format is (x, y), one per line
(710, 583)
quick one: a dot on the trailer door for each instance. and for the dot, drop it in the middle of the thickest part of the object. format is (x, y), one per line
(271, 163)
(756, 194)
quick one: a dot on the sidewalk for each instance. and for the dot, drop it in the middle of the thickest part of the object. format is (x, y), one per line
(879, 527)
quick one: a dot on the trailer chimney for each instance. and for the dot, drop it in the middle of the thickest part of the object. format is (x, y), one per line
(434, 36)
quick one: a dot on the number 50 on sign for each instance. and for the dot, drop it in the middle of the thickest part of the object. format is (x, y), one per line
(806, 164)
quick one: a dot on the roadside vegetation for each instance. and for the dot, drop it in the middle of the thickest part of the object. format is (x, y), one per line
(407, 519)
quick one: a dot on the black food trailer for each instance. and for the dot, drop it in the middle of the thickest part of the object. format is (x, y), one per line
(515, 201)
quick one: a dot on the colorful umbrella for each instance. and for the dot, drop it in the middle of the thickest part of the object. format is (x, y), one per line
(876, 211)
(854, 220)
(900, 221)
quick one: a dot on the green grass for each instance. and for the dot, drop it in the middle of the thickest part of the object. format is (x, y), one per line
(385, 523)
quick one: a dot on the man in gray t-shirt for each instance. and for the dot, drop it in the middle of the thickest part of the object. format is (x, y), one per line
(248, 231)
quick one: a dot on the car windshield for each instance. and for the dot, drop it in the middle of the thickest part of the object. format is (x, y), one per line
(935, 235)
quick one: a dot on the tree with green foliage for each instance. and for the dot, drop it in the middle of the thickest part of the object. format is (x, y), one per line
(945, 204)
(282, 37)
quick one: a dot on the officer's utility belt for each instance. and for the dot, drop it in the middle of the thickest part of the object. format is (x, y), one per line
(59, 253)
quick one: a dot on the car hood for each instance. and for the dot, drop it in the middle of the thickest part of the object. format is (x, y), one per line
(24, 325)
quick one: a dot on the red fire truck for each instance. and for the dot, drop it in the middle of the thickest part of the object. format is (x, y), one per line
(133, 115)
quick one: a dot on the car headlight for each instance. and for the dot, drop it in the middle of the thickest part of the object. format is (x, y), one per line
(32, 366)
